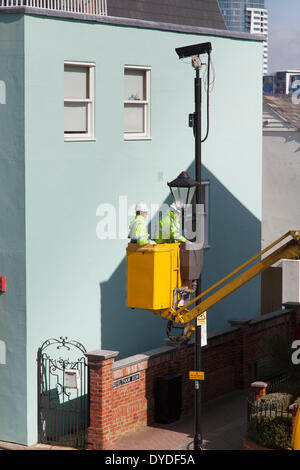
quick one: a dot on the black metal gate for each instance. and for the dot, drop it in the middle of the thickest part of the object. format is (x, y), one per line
(63, 398)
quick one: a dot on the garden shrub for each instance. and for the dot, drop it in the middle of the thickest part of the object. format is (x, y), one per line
(274, 401)
(270, 421)
(273, 432)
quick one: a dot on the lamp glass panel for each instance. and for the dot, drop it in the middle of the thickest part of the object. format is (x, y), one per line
(180, 194)
(191, 194)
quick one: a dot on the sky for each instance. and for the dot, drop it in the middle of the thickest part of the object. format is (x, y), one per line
(284, 34)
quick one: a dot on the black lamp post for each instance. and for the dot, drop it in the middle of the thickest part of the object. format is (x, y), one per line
(183, 189)
(194, 52)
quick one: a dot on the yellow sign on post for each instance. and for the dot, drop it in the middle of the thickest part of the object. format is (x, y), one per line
(201, 319)
(196, 375)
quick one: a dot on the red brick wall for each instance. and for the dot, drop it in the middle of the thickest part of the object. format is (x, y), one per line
(226, 361)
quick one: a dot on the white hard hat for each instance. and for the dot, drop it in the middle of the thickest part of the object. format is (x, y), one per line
(176, 207)
(141, 207)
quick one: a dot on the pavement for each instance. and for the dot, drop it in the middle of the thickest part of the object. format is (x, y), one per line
(223, 427)
(223, 424)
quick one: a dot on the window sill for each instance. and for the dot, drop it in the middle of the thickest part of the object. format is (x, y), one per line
(136, 137)
(80, 139)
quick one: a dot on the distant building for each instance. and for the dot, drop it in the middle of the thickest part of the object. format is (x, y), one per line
(268, 84)
(249, 16)
(280, 187)
(281, 83)
(257, 22)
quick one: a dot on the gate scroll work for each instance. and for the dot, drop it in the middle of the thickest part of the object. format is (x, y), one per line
(63, 396)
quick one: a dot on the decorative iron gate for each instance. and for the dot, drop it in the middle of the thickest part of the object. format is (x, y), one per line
(63, 398)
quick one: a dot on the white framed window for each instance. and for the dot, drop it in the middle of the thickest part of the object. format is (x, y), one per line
(78, 101)
(136, 102)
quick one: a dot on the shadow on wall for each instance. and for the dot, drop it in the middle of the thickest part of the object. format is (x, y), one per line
(234, 237)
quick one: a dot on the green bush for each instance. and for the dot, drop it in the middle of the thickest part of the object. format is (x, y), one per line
(274, 401)
(273, 432)
(271, 422)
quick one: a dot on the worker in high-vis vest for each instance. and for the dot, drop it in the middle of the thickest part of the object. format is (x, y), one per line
(138, 232)
(169, 226)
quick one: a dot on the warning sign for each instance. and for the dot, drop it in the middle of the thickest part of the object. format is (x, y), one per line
(196, 375)
(201, 319)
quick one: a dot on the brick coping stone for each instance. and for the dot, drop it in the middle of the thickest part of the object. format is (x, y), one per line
(146, 356)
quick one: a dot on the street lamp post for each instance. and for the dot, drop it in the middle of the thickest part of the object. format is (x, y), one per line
(195, 51)
(183, 190)
(197, 127)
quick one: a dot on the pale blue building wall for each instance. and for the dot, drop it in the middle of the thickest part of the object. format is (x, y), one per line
(75, 283)
(13, 407)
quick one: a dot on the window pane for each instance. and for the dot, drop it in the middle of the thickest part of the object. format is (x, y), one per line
(76, 118)
(76, 82)
(135, 84)
(134, 118)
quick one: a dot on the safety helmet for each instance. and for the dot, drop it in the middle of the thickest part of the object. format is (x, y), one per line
(141, 207)
(176, 207)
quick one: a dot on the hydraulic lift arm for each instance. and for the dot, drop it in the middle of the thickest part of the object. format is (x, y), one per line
(290, 250)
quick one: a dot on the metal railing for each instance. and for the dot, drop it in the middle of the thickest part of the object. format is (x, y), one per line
(89, 7)
(272, 414)
(271, 409)
(269, 424)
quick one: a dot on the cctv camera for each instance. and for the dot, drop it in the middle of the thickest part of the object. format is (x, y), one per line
(196, 49)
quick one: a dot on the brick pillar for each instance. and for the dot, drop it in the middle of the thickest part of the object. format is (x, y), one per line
(260, 389)
(100, 431)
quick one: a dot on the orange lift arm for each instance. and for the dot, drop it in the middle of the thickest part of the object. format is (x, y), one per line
(290, 250)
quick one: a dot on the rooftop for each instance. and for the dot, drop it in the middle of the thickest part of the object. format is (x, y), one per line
(96, 11)
(284, 107)
(203, 13)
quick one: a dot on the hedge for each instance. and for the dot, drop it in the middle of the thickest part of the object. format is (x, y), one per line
(270, 423)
